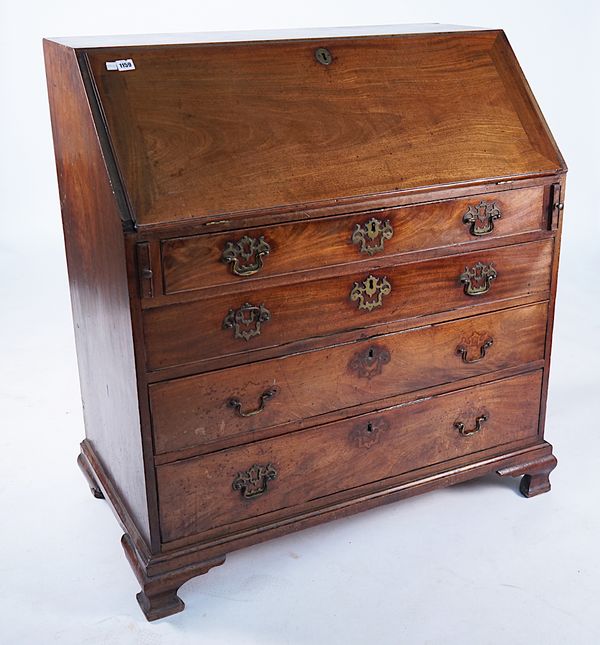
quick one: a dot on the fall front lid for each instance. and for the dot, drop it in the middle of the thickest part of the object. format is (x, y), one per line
(206, 129)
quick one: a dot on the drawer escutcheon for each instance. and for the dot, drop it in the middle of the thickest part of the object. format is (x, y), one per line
(369, 293)
(366, 436)
(253, 482)
(372, 235)
(246, 255)
(481, 218)
(369, 362)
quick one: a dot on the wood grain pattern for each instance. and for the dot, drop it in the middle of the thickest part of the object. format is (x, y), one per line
(196, 262)
(195, 410)
(197, 494)
(242, 127)
(203, 442)
(342, 206)
(521, 457)
(192, 332)
(99, 289)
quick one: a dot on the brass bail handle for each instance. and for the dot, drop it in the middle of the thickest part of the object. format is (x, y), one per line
(479, 421)
(236, 404)
(481, 217)
(477, 280)
(463, 352)
(245, 256)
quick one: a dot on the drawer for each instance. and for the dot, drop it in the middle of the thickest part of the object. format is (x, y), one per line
(217, 405)
(261, 318)
(204, 261)
(247, 482)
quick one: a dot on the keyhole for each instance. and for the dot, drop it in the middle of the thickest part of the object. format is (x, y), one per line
(369, 427)
(323, 55)
(371, 353)
(371, 284)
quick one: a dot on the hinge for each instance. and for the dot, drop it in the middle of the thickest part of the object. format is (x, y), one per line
(556, 206)
(145, 273)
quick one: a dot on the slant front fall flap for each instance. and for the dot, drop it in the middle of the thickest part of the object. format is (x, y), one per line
(218, 128)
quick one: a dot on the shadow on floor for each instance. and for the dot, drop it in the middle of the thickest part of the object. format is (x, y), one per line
(491, 480)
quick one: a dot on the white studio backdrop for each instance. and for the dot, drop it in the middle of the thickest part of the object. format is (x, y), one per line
(474, 564)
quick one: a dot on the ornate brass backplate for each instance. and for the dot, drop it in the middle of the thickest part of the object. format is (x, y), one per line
(478, 279)
(476, 343)
(253, 482)
(368, 434)
(481, 217)
(372, 235)
(369, 362)
(246, 255)
(246, 321)
(369, 293)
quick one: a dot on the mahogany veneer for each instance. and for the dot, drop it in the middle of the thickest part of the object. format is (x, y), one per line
(193, 262)
(194, 411)
(309, 275)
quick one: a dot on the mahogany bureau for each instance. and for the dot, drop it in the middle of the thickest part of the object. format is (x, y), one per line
(310, 273)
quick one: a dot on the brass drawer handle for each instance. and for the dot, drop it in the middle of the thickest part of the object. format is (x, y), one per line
(479, 421)
(463, 349)
(236, 404)
(477, 279)
(372, 235)
(369, 293)
(253, 482)
(246, 321)
(481, 218)
(246, 255)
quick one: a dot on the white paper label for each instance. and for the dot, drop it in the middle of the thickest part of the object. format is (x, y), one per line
(120, 65)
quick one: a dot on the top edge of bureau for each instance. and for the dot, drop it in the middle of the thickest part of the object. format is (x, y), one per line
(256, 35)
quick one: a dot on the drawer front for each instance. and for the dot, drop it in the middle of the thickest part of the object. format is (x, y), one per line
(246, 482)
(217, 405)
(203, 261)
(255, 319)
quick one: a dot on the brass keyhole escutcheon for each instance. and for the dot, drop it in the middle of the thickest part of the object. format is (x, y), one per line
(371, 236)
(323, 56)
(370, 292)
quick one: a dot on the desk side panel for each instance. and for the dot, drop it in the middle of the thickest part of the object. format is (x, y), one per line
(95, 250)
